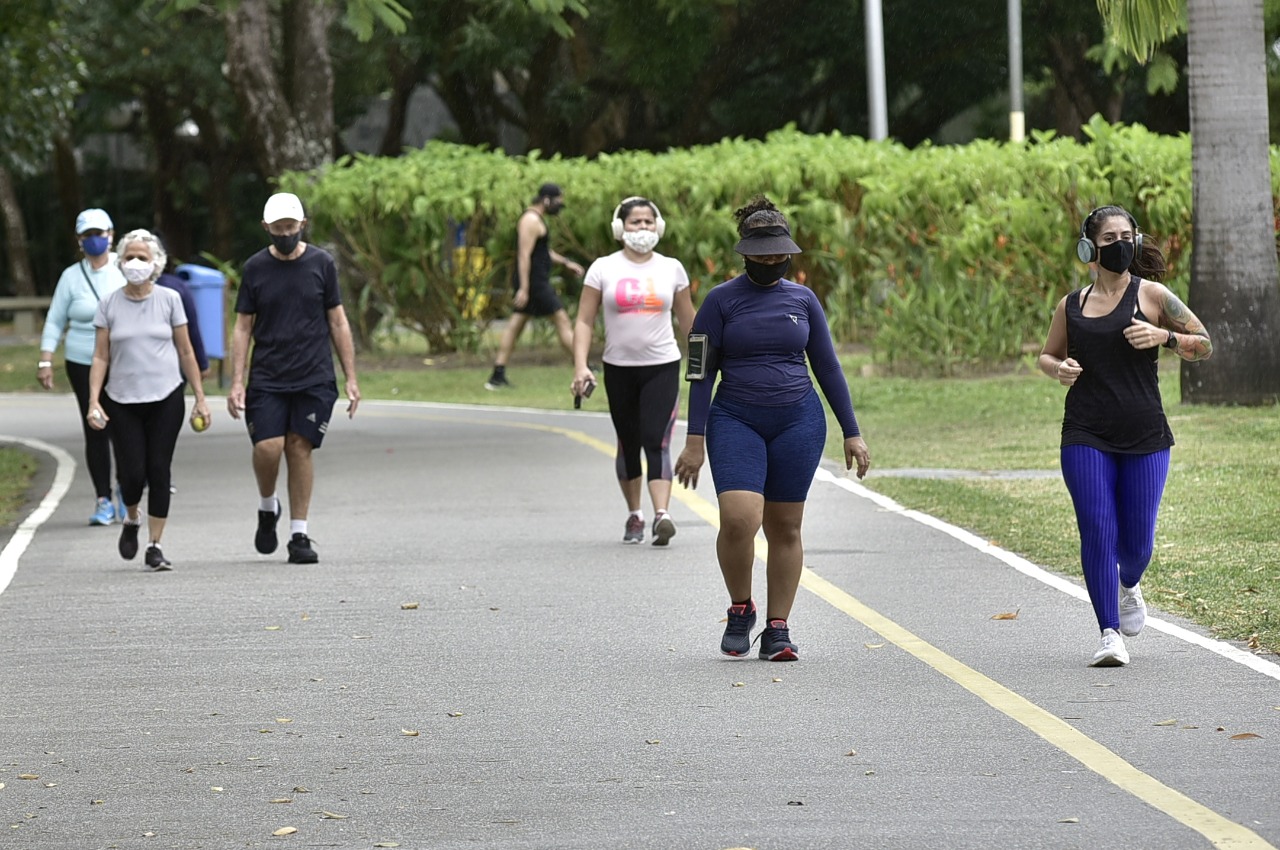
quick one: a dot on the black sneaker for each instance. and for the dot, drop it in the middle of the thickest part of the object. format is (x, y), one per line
(497, 381)
(300, 551)
(156, 561)
(265, 540)
(129, 540)
(737, 633)
(775, 643)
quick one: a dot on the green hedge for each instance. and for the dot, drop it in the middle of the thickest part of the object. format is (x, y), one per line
(941, 258)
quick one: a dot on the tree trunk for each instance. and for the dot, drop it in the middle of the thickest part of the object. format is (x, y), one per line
(15, 237)
(284, 85)
(1234, 288)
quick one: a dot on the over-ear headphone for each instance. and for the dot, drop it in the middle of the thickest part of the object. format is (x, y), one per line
(1087, 251)
(616, 223)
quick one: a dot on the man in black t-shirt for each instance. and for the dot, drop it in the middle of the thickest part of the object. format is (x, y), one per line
(290, 306)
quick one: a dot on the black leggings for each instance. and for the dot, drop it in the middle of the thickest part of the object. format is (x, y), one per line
(643, 401)
(144, 438)
(97, 444)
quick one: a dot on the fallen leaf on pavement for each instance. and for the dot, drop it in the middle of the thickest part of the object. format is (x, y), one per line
(411, 733)
(653, 741)
(285, 830)
(1165, 723)
(1007, 615)
(1244, 736)
(281, 800)
(408, 606)
(1069, 820)
(332, 816)
(873, 645)
(28, 776)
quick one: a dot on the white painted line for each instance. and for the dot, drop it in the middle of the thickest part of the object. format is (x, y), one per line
(1022, 565)
(26, 531)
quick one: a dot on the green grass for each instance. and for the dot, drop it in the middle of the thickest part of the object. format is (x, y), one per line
(1216, 543)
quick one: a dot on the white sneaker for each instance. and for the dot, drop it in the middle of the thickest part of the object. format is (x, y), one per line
(1112, 652)
(1133, 610)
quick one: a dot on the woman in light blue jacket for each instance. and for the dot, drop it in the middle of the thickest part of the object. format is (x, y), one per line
(75, 302)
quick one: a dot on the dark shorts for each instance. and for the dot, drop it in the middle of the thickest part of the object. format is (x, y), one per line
(543, 300)
(771, 450)
(274, 413)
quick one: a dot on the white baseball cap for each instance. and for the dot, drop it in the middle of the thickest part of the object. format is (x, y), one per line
(282, 205)
(93, 219)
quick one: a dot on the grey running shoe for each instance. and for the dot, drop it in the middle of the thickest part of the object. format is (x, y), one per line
(1133, 610)
(1112, 652)
(737, 632)
(300, 551)
(156, 561)
(265, 540)
(663, 529)
(635, 530)
(775, 643)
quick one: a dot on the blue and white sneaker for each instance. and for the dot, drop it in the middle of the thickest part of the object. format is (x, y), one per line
(737, 631)
(775, 642)
(104, 513)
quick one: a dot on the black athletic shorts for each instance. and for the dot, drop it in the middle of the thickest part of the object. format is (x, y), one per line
(543, 300)
(305, 412)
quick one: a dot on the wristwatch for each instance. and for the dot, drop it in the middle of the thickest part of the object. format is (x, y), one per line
(1172, 341)
(45, 364)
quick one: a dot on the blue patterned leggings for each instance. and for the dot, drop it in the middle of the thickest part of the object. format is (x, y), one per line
(1116, 497)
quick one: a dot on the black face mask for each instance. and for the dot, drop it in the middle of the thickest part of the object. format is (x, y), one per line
(766, 274)
(286, 244)
(1116, 257)
(554, 208)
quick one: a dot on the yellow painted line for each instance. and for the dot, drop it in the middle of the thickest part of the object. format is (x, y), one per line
(1218, 830)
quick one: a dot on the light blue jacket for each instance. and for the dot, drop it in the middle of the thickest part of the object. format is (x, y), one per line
(74, 306)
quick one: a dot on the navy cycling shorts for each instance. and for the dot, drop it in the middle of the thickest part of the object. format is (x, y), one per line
(768, 449)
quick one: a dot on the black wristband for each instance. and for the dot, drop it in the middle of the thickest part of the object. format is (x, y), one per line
(1172, 341)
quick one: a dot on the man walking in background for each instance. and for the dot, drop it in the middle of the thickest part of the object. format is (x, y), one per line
(531, 280)
(289, 304)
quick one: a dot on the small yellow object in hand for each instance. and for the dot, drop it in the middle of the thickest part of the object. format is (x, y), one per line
(199, 423)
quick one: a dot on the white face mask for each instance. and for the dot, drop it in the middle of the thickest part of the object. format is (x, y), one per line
(137, 271)
(640, 241)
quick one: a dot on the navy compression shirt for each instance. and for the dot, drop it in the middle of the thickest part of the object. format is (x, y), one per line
(763, 334)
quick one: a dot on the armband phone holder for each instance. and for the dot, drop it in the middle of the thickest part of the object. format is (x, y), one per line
(699, 352)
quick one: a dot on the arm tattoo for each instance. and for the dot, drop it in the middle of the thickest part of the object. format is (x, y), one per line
(1193, 339)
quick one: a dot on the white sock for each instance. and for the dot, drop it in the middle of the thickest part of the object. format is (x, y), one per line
(638, 514)
(268, 503)
(297, 526)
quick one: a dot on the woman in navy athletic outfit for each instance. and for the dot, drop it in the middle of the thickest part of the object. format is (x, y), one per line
(765, 429)
(1104, 345)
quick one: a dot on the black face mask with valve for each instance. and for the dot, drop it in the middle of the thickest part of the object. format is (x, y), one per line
(767, 274)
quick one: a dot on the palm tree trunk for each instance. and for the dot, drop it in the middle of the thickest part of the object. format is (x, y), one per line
(1234, 288)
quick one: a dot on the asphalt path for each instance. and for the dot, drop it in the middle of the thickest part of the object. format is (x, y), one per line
(477, 661)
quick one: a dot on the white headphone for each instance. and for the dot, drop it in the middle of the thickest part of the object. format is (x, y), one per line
(617, 223)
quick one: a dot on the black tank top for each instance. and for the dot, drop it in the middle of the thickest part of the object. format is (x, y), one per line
(1114, 405)
(539, 262)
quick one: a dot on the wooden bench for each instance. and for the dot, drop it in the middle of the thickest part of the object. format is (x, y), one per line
(24, 309)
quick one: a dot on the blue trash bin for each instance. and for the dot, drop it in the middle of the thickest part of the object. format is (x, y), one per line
(207, 289)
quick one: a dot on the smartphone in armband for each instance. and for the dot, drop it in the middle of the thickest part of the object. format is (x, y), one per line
(699, 352)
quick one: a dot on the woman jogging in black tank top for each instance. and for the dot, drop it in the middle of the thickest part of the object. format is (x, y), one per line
(1104, 345)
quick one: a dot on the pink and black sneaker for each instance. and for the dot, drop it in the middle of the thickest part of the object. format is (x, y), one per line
(737, 632)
